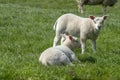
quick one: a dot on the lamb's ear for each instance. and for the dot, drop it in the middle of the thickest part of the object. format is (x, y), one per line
(105, 17)
(92, 17)
(70, 37)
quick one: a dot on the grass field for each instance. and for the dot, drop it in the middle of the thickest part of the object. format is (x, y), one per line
(26, 29)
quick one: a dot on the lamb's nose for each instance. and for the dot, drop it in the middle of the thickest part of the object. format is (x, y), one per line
(99, 27)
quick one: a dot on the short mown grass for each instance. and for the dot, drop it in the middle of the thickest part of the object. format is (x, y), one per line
(26, 29)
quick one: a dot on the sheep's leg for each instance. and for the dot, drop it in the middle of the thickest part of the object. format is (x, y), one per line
(104, 9)
(80, 8)
(80, 5)
(65, 60)
(93, 42)
(44, 62)
(56, 39)
(74, 58)
(83, 44)
(71, 64)
(62, 40)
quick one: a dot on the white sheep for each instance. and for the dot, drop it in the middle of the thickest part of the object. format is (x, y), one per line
(104, 3)
(86, 28)
(62, 54)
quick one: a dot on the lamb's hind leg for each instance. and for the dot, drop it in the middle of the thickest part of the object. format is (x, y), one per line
(56, 39)
(62, 40)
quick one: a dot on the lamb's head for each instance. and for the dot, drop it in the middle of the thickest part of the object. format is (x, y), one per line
(70, 41)
(98, 21)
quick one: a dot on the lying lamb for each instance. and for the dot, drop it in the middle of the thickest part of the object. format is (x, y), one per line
(104, 3)
(62, 54)
(87, 28)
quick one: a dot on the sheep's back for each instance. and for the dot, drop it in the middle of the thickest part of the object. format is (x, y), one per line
(52, 56)
(65, 50)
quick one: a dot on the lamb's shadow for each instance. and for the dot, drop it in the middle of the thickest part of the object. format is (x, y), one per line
(89, 59)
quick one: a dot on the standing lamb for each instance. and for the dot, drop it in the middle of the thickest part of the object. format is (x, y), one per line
(62, 54)
(87, 28)
(104, 3)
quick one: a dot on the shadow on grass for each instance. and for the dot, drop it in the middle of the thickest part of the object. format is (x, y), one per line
(73, 75)
(89, 59)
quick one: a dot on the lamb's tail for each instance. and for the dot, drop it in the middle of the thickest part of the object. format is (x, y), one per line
(54, 27)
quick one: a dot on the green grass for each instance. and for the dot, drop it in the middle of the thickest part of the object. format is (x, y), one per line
(26, 29)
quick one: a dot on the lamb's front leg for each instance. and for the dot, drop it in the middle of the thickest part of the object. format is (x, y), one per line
(93, 42)
(83, 44)
(74, 58)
